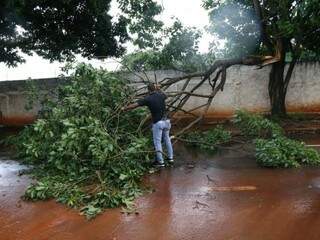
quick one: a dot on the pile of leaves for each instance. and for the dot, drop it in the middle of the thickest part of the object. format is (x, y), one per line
(285, 153)
(272, 148)
(254, 125)
(85, 152)
(208, 140)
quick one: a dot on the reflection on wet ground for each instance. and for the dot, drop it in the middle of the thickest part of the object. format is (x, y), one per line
(222, 196)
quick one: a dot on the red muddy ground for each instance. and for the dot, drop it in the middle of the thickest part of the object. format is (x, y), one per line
(225, 196)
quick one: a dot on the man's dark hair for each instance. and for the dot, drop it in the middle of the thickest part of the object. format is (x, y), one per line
(151, 87)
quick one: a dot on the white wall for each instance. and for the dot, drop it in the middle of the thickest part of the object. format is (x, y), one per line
(246, 88)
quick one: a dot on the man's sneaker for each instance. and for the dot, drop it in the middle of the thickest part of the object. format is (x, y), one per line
(158, 164)
(170, 160)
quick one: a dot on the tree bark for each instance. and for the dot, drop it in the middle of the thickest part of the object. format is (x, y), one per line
(279, 81)
(277, 89)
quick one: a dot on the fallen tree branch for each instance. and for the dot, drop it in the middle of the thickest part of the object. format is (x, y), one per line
(215, 76)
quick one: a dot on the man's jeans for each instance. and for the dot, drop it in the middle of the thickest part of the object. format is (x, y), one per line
(160, 131)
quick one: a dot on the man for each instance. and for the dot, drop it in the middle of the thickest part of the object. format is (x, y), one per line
(155, 101)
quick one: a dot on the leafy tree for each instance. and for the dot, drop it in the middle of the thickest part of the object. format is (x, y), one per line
(287, 29)
(177, 50)
(57, 30)
(237, 25)
(140, 15)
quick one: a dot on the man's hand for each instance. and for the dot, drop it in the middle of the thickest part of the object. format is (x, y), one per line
(130, 107)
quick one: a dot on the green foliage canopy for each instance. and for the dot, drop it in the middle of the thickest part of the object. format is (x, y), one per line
(140, 15)
(57, 30)
(178, 50)
(238, 22)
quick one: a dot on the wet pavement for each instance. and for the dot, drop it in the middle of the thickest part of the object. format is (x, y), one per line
(223, 196)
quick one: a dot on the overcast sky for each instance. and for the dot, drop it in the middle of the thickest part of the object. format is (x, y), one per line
(189, 12)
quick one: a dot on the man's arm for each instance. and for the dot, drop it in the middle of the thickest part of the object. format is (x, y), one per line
(141, 102)
(130, 107)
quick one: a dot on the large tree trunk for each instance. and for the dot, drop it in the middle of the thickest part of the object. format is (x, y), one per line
(277, 90)
(278, 84)
(279, 79)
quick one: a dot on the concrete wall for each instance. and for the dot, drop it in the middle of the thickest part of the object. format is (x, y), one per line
(246, 87)
(13, 99)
